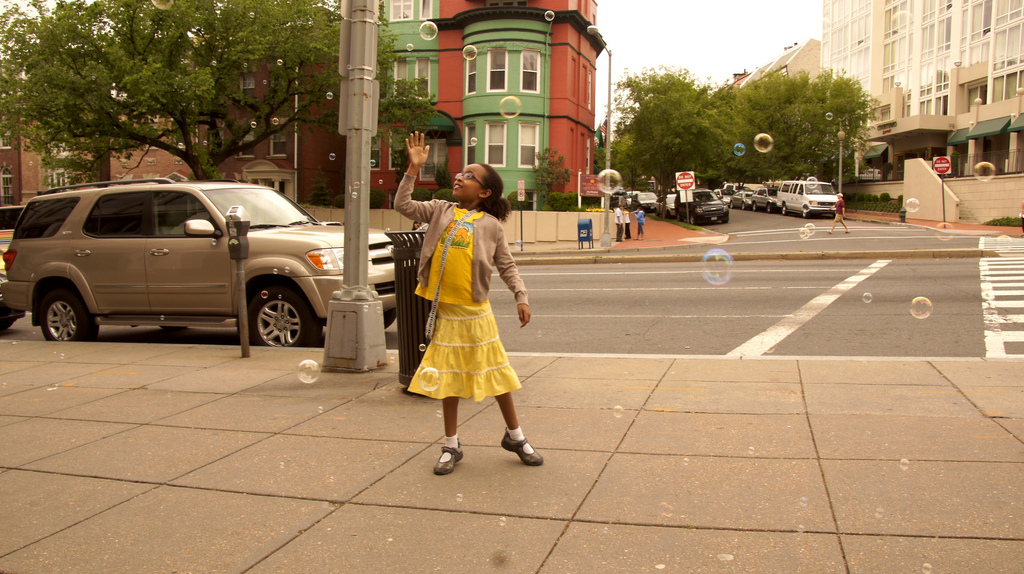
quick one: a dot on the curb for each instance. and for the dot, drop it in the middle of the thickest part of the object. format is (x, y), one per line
(785, 256)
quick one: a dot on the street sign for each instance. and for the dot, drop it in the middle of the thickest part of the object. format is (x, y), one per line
(521, 189)
(684, 179)
(941, 164)
(588, 186)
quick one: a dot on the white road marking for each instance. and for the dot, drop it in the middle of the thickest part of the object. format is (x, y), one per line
(998, 277)
(772, 336)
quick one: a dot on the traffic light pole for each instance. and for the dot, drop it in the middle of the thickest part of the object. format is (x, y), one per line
(355, 322)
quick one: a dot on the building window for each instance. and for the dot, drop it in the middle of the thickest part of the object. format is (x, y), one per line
(976, 92)
(58, 178)
(530, 81)
(981, 20)
(401, 70)
(151, 161)
(529, 135)
(375, 154)
(496, 144)
(1007, 11)
(471, 76)
(423, 72)
(470, 144)
(249, 84)
(587, 169)
(278, 144)
(6, 186)
(426, 9)
(5, 141)
(1007, 51)
(496, 65)
(1005, 87)
(590, 89)
(438, 151)
(401, 9)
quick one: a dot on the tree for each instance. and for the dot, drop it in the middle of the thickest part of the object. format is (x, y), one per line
(550, 171)
(92, 79)
(443, 177)
(320, 192)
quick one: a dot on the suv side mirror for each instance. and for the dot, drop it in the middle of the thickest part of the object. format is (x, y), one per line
(201, 228)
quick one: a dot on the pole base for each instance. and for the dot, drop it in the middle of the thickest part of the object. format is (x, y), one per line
(606, 240)
(355, 337)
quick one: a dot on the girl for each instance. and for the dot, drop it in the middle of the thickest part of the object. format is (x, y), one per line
(465, 357)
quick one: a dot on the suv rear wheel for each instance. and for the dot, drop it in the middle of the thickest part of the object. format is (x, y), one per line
(65, 318)
(279, 317)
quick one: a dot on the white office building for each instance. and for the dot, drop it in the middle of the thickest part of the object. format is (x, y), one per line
(947, 76)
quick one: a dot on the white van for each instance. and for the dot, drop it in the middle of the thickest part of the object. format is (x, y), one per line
(807, 198)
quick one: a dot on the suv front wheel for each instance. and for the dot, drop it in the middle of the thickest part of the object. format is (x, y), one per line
(65, 318)
(279, 317)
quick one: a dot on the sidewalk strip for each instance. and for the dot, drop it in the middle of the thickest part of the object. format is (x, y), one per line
(761, 343)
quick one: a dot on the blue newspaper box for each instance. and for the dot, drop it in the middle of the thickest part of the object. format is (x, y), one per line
(586, 232)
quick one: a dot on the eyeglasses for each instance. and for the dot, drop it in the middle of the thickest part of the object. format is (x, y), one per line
(467, 175)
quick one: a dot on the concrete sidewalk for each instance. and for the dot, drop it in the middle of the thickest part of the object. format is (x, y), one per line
(141, 458)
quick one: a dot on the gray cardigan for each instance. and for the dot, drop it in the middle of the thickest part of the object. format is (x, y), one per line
(488, 242)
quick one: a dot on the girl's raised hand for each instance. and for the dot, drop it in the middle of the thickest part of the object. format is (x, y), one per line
(418, 153)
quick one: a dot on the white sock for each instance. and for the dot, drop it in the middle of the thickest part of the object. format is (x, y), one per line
(450, 442)
(517, 435)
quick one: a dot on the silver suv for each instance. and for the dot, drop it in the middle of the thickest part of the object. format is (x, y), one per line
(154, 253)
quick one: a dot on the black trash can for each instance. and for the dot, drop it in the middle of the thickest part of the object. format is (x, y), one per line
(413, 310)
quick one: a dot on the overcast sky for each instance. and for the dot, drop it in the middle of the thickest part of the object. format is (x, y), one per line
(712, 39)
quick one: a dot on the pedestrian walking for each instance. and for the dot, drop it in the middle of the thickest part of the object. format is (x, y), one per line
(840, 214)
(465, 357)
(640, 218)
(625, 221)
(618, 223)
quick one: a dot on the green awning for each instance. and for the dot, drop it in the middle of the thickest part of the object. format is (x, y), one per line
(876, 151)
(989, 128)
(443, 123)
(960, 137)
(1017, 125)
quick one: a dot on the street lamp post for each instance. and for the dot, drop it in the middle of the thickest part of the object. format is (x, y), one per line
(842, 136)
(606, 236)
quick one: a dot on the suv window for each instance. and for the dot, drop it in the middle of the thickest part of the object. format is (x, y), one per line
(703, 196)
(117, 215)
(44, 218)
(171, 209)
(9, 216)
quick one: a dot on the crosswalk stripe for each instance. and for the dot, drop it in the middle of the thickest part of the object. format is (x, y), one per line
(1001, 278)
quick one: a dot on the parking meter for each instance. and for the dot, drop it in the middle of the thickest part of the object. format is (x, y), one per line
(238, 229)
(238, 248)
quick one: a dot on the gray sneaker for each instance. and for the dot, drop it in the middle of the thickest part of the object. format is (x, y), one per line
(448, 467)
(532, 459)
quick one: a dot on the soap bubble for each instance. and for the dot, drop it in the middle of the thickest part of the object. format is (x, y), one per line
(617, 411)
(373, 163)
(408, 47)
(509, 107)
(763, 143)
(253, 125)
(163, 4)
(428, 30)
(812, 178)
(280, 62)
(469, 52)
(739, 149)
(804, 233)
(609, 180)
(422, 347)
(879, 512)
(717, 267)
(904, 464)
(921, 307)
(502, 521)
(828, 116)
(308, 371)
(725, 557)
(429, 379)
(867, 297)
(472, 141)
(332, 157)
(549, 15)
(181, 145)
(275, 121)
(330, 95)
(984, 171)
(912, 205)
(943, 231)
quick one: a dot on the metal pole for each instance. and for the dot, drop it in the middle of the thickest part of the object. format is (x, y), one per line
(606, 237)
(243, 311)
(942, 198)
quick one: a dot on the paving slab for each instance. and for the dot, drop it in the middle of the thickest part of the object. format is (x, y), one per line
(173, 530)
(1015, 426)
(902, 400)
(189, 356)
(104, 353)
(727, 397)
(556, 428)
(37, 504)
(127, 376)
(304, 467)
(33, 439)
(338, 386)
(997, 401)
(872, 554)
(42, 374)
(7, 420)
(733, 370)
(606, 368)
(706, 492)
(729, 435)
(983, 373)
(956, 499)
(481, 483)
(528, 365)
(221, 380)
(866, 372)
(374, 539)
(890, 437)
(247, 413)
(40, 401)
(136, 406)
(584, 392)
(148, 453)
(587, 548)
(50, 351)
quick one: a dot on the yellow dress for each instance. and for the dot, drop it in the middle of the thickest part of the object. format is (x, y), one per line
(465, 350)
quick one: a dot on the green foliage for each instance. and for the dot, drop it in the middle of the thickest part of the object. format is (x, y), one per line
(377, 198)
(422, 194)
(339, 201)
(562, 202)
(1008, 221)
(550, 171)
(320, 192)
(443, 177)
(517, 205)
(884, 197)
(445, 194)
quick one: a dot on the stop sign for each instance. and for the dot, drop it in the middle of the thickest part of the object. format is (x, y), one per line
(684, 179)
(941, 164)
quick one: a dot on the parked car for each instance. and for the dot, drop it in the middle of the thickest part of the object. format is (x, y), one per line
(807, 198)
(9, 215)
(742, 199)
(7, 315)
(766, 198)
(700, 205)
(646, 200)
(155, 253)
(666, 207)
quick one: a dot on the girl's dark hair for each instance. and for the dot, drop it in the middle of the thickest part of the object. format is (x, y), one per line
(496, 204)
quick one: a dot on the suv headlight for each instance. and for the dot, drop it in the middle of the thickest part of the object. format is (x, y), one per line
(327, 259)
